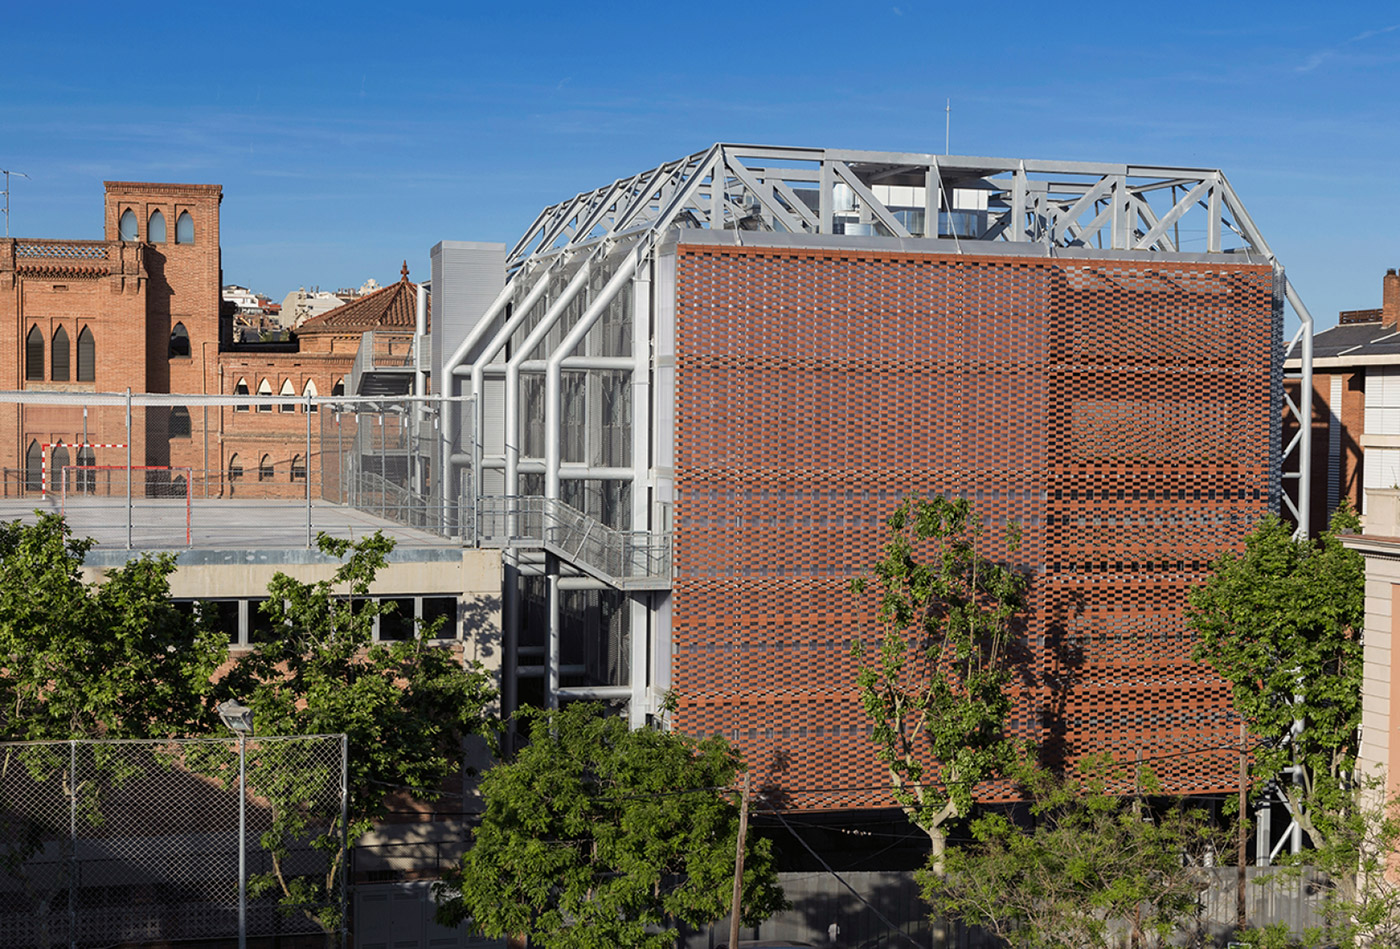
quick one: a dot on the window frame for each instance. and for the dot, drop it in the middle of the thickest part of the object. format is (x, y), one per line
(87, 355)
(34, 347)
(60, 335)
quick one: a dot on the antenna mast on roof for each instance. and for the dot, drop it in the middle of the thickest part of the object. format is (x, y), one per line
(947, 125)
(7, 174)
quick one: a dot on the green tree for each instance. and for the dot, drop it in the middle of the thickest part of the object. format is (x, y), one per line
(82, 660)
(600, 837)
(89, 660)
(1281, 623)
(936, 687)
(1351, 870)
(1093, 871)
(405, 707)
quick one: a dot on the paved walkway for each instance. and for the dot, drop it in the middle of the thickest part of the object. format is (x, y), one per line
(160, 524)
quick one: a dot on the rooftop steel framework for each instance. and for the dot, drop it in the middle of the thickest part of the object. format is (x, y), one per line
(963, 203)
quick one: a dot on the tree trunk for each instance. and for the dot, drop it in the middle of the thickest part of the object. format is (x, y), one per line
(937, 847)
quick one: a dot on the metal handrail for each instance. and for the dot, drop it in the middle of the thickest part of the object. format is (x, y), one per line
(534, 521)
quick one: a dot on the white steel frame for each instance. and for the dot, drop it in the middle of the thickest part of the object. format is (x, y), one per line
(1022, 205)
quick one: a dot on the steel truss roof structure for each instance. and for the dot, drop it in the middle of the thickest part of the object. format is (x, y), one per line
(949, 199)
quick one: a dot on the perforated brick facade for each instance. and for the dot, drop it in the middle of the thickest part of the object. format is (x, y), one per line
(1122, 411)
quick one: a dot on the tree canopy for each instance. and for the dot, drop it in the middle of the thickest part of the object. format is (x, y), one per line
(113, 659)
(1093, 871)
(599, 837)
(936, 687)
(405, 708)
(1281, 622)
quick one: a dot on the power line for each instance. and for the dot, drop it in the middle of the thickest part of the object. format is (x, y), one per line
(839, 878)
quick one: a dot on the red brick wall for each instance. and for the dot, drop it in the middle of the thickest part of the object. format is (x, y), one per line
(131, 295)
(1352, 420)
(1120, 412)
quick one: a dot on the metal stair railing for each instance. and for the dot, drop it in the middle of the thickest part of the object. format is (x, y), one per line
(624, 559)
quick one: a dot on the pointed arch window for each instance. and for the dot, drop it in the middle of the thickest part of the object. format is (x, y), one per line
(264, 388)
(87, 480)
(87, 356)
(179, 487)
(33, 467)
(179, 422)
(61, 479)
(309, 391)
(155, 228)
(298, 468)
(338, 389)
(184, 228)
(265, 468)
(235, 468)
(127, 226)
(59, 356)
(179, 341)
(34, 355)
(241, 389)
(288, 390)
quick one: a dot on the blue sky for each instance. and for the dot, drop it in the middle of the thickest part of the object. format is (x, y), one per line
(351, 136)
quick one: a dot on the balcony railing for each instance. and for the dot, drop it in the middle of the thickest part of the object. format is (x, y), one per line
(62, 250)
(624, 559)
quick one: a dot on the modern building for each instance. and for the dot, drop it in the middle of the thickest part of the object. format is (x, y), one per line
(703, 387)
(1356, 405)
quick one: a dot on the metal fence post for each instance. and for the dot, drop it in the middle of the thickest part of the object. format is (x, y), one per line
(344, 840)
(73, 843)
(306, 469)
(128, 467)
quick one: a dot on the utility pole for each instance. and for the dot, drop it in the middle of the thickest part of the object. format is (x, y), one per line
(7, 172)
(1241, 916)
(739, 865)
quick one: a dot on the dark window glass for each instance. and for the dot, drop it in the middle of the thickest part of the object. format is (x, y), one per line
(59, 355)
(87, 356)
(396, 622)
(179, 341)
(155, 228)
(235, 468)
(241, 389)
(62, 479)
(184, 228)
(444, 607)
(34, 355)
(179, 422)
(33, 467)
(218, 614)
(339, 388)
(264, 388)
(298, 468)
(265, 468)
(260, 628)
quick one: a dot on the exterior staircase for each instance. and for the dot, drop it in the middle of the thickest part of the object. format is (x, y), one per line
(626, 560)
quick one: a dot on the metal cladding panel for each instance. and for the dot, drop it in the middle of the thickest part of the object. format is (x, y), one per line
(467, 276)
(1119, 410)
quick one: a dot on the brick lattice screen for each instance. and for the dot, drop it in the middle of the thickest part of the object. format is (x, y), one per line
(1123, 412)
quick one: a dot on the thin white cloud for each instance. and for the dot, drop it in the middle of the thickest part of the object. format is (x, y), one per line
(1321, 56)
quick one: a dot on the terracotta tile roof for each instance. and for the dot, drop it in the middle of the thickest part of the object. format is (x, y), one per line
(389, 308)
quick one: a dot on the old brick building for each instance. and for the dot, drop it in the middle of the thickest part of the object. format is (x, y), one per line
(141, 310)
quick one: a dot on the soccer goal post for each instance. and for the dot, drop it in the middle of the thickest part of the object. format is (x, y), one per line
(147, 482)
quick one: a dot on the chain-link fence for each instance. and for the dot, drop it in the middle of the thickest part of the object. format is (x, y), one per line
(114, 842)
